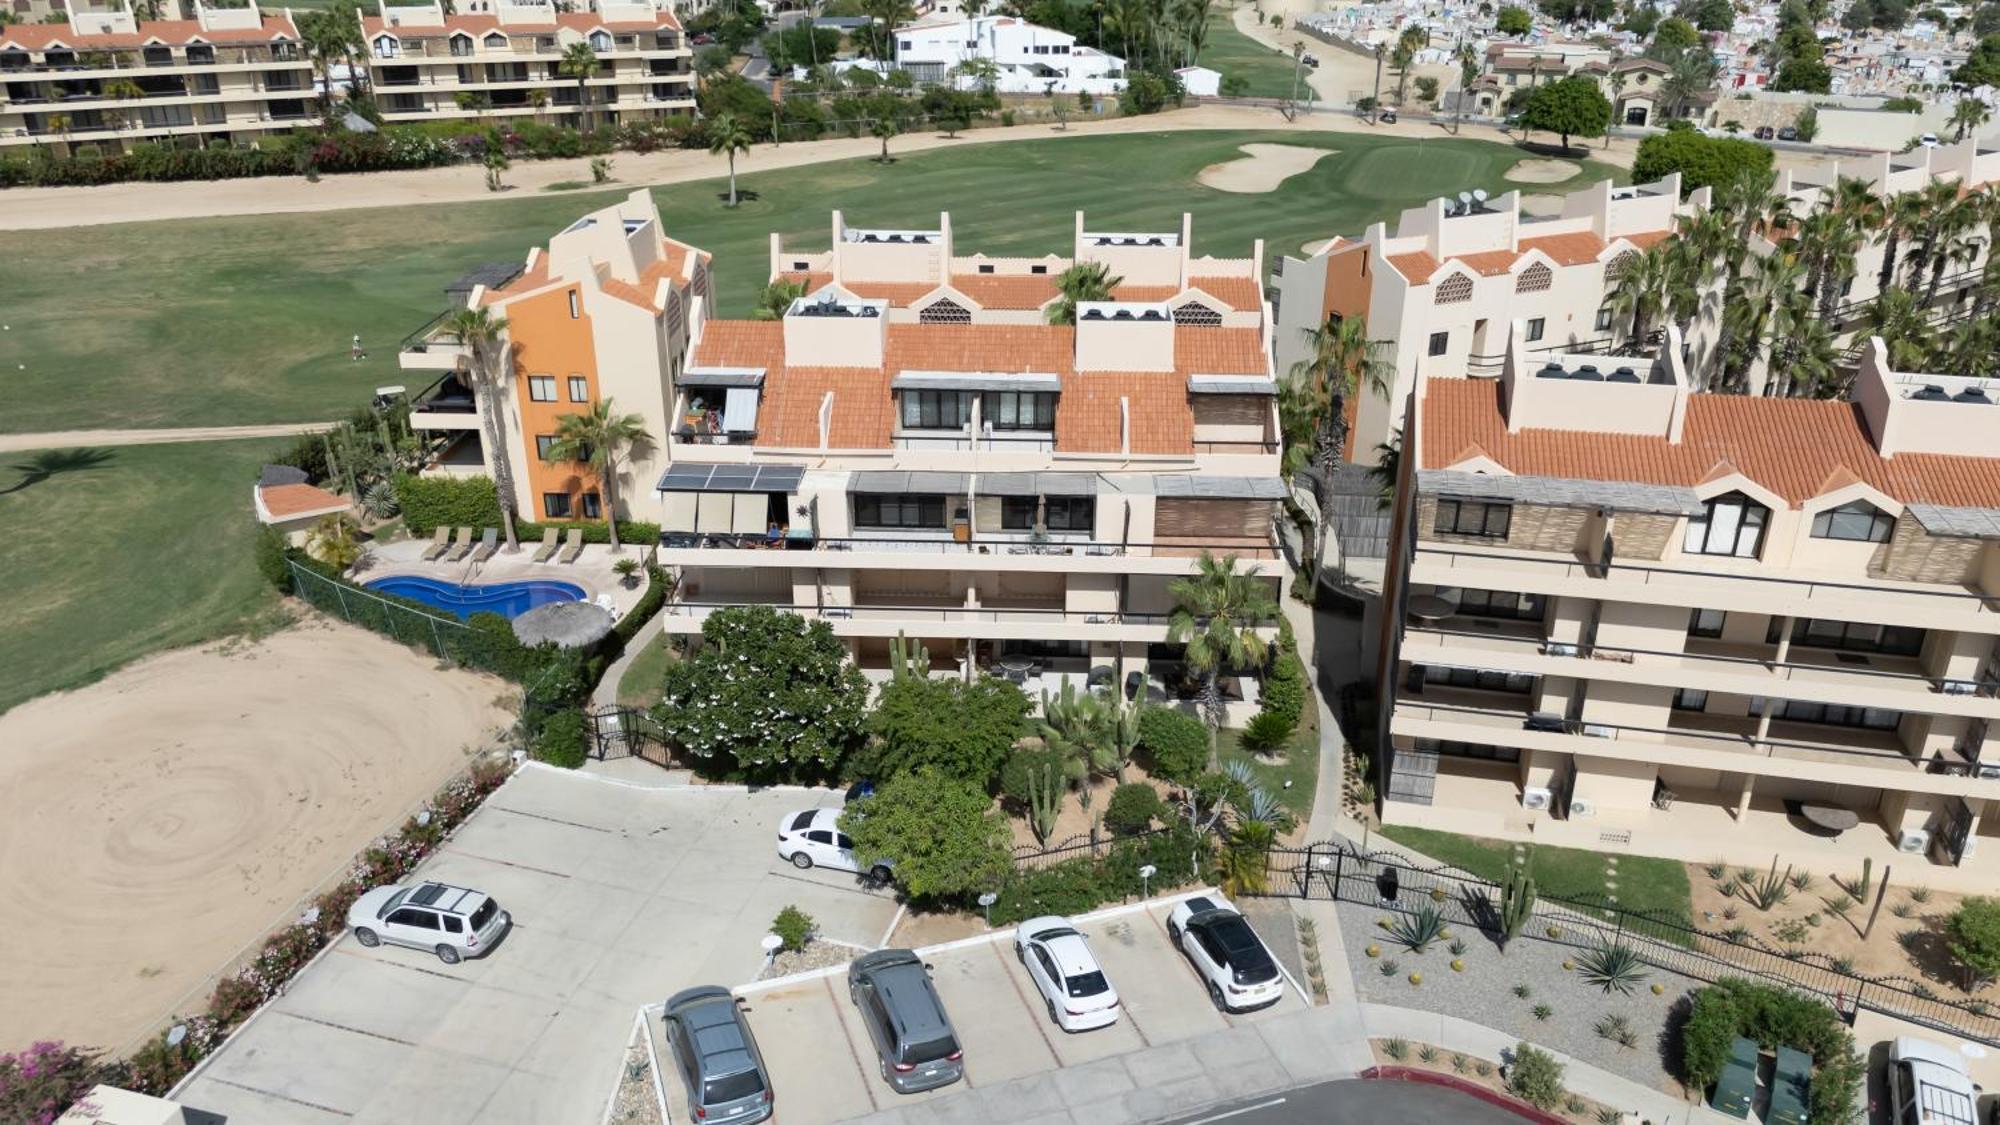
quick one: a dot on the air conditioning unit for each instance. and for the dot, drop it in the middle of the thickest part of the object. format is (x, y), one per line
(1914, 841)
(1959, 687)
(1596, 730)
(1986, 771)
(1536, 797)
(1582, 806)
(1558, 648)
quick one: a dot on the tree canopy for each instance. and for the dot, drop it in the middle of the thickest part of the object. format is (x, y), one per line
(1513, 21)
(1571, 107)
(943, 835)
(1973, 931)
(962, 730)
(1982, 67)
(1702, 161)
(1675, 33)
(1713, 15)
(1805, 75)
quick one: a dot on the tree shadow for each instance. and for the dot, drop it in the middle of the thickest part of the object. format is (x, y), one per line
(54, 462)
(743, 195)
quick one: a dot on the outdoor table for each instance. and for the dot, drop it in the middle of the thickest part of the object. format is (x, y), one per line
(1429, 607)
(1833, 818)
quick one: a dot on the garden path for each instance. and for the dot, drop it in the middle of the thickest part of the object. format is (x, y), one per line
(72, 439)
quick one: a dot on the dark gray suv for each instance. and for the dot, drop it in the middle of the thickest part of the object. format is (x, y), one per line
(914, 1042)
(717, 1056)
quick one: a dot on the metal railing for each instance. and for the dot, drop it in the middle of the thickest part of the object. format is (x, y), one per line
(688, 435)
(1244, 548)
(1251, 447)
(427, 334)
(700, 605)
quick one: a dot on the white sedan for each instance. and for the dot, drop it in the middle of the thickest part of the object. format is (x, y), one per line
(813, 838)
(1072, 984)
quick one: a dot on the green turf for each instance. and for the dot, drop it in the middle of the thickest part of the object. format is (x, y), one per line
(1658, 886)
(246, 320)
(1299, 765)
(1268, 72)
(642, 682)
(147, 548)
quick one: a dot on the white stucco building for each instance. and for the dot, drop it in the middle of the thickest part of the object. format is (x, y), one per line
(1031, 59)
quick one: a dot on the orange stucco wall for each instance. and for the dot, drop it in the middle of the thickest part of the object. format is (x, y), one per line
(1348, 285)
(550, 342)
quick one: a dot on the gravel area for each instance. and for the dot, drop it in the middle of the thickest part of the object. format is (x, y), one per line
(636, 1102)
(816, 955)
(1274, 921)
(1484, 994)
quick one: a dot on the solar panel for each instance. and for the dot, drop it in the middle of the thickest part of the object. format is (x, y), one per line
(694, 476)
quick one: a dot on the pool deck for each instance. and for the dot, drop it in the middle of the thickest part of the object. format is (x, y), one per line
(592, 570)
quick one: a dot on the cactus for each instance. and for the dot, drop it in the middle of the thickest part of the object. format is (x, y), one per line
(1517, 901)
(1867, 877)
(908, 658)
(1045, 794)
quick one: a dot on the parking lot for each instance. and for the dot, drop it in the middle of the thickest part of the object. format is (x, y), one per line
(620, 896)
(822, 1063)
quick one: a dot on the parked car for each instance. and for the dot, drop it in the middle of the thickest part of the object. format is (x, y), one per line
(1231, 958)
(1066, 972)
(1929, 1084)
(717, 1056)
(452, 922)
(1788, 134)
(1928, 140)
(914, 1042)
(1310, 60)
(812, 838)
(1387, 117)
(1764, 133)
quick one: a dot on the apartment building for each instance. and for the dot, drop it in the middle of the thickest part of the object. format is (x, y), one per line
(499, 59)
(1029, 58)
(103, 79)
(1621, 613)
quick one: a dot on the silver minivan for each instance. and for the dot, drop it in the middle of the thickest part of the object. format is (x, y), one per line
(717, 1056)
(914, 1040)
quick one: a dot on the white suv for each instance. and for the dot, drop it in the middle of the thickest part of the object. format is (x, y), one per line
(452, 922)
(813, 838)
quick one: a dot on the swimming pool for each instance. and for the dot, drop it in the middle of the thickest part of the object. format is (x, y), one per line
(508, 599)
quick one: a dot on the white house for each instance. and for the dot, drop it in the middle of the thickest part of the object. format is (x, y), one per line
(1030, 59)
(1200, 82)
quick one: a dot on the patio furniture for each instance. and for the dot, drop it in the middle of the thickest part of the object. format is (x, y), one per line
(572, 545)
(1426, 608)
(1100, 677)
(1135, 682)
(489, 544)
(461, 545)
(1791, 1083)
(1738, 1080)
(1831, 820)
(440, 543)
(549, 545)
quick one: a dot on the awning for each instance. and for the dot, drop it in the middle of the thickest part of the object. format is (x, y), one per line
(1957, 523)
(739, 411)
(722, 377)
(1618, 495)
(694, 476)
(892, 483)
(1036, 484)
(1231, 385)
(1219, 488)
(975, 381)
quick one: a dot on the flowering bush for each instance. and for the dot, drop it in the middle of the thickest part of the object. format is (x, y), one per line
(38, 1084)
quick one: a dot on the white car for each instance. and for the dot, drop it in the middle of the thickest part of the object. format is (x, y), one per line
(1929, 1084)
(1060, 962)
(812, 838)
(452, 922)
(1928, 140)
(1231, 959)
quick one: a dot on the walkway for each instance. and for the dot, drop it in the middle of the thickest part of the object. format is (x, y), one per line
(70, 439)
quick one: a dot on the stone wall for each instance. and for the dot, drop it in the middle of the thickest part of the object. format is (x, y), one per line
(1532, 528)
(1915, 555)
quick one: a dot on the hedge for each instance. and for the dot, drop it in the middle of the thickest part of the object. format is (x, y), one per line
(1284, 691)
(1079, 885)
(1176, 742)
(1774, 1017)
(560, 741)
(432, 502)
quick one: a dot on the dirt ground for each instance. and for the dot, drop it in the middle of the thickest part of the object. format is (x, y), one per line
(1074, 820)
(158, 821)
(1262, 168)
(1542, 171)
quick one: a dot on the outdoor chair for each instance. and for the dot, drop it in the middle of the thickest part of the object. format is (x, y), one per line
(572, 545)
(489, 544)
(461, 545)
(440, 543)
(549, 545)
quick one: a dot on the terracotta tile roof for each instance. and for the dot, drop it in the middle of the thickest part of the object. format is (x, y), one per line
(1008, 291)
(1488, 263)
(1417, 266)
(526, 281)
(1794, 447)
(37, 36)
(1029, 291)
(286, 501)
(1088, 415)
(741, 343)
(1574, 249)
(667, 269)
(1241, 293)
(1219, 351)
(863, 410)
(1645, 239)
(1567, 249)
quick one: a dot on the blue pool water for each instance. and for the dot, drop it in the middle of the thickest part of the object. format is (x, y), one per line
(508, 599)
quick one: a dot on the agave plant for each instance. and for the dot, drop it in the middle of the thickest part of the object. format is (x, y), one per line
(1417, 932)
(1613, 966)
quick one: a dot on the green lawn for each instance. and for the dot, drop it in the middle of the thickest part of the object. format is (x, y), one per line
(121, 552)
(1229, 51)
(1300, 765)
(1644, 883)
(245, 320)
(640, 686)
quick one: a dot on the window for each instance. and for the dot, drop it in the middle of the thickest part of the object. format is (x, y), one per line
(899, 511)
(1038, 269)
(575, 311)
(1059, 513)
(579, 389)
(1478, 679)
(1855, 636)
(409, 916)
(1690, 699)
(1448, 748)
(555, 505)
(1440, 343)
(1021, 410)
(1535, 278)
(944, 311)
(544, 443)
(496, 42)
(1838, 715)
(936, 410)
(1858, 522)
(542, 388)
(454, 925)
(1731, 524)
(1503, 604)
(1454, 289)
(387, 48)
(1483, 518)
(1536, 327)
(593, 506)
(1604, 319)
(1017, 513)
(1198, 315)
(1706, 623)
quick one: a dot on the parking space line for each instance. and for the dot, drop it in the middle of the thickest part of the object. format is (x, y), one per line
(281, 1097)
(559, 820)
(779, 873)
(344, 1027)
(1040, 1028)
(509, 863)
(867, 1087)
(377, 960)
(1187, 963)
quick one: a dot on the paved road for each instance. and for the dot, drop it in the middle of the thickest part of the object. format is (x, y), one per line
(1357, 1102)
(71, 439)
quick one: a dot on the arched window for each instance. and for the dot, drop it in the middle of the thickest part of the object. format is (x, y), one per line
(1856, 522)
(1535, 279)
(1454, 289)
(1198, 315)
(386, 47)
(600, 41)
(944, 311)
(1620, 265)
(1731, 524)
(496, 42)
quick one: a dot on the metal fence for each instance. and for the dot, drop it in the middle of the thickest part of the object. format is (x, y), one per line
(1668, 942)
(1029, 857)
(626, 732)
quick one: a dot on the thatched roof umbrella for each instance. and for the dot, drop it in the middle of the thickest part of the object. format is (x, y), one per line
(568, 624)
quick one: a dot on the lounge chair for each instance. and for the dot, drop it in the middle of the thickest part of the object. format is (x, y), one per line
(440, 543)
(549, 545)
(572, 545)
(461, 545)
(489, 545)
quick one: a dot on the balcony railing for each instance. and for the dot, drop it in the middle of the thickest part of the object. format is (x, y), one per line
(929, 611)
(1249, 447)
(1242, 547)
(428, 333)
(689, 435)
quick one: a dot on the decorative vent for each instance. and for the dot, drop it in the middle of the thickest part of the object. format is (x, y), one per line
(1535, 279)
(1454, 290)
(1197, 315)
(945, 311)
(1620, 266)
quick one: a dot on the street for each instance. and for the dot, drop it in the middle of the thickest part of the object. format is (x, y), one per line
(1357, 1102)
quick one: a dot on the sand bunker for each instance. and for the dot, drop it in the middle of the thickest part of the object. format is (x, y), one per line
(1262, 168)
(1541, 204)
(1542, 171)
(159, 820)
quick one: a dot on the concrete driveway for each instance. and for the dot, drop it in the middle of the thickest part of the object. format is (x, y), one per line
(620, 896)
(823, 1067)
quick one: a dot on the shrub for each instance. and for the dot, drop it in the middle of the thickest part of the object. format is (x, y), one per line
(38, 1084)
(1284, 691)
(1132, 808)
(794, 927)
(1024, 763)
(965, 730)
(1416, 932)
(271, 558)
(1972, 932)
(1613, 966)
(1266, 731)
(1536, 1077)
(1774, 1017)
(432, 502)
(560, 742)
(1079, 885)
(1176, 743)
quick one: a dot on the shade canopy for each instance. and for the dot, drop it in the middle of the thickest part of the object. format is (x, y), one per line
(694, 476)
(892, 483)
(567, 624)
(1037, 484)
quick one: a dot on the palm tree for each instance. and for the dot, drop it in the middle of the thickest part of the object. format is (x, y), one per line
(1941, 218)
(580, 63)
(883, 129)
(596, 438)
(884, 17)
(1972, 349)
(1956, 245)
(1468, 73)
(1825, 241)
(329, 34)
(1902, 216)
(1905, 330)
(1340, 361)
(1617, 81)
(1084, 281)
(488, 365)
(1217, 611)
(1413, 39)
(1771, 304)
(1969, 114)
(1642, 291)
(1816, 370)
(776, 298)
(728, 135)
(336, 541)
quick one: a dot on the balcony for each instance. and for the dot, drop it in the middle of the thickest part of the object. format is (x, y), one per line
(940, 551)
(1009, 441)
(448, 404)
(930, 617)
(431, 347)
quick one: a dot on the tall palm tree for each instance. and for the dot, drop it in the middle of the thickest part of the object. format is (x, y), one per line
(727, 135)
(1217, 611)
(1972, 349)
(489, 364)
(1340, 360)
(1771, 305)
(597, 438)
(1642, 291)
(1939, 218)
(1084, 281)
(1468, 73)
(1413, 39)
(1816, 371)
(1825, 242)
(1956, 246)
(1864, 213)
(329, 34)
(579, 64)
(883, 130)
(1899, 319)
(1969, 114)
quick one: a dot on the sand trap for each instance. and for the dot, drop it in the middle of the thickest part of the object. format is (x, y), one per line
(1542, 171)
(155, 822)
(1541, 203)
(1262, 168)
